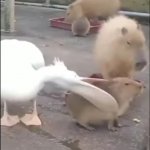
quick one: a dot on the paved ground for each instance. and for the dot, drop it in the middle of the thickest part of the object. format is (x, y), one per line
(58, 131)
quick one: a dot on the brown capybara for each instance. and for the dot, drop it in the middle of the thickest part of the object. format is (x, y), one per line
(80, 27)
(120, 48)
(91, 9)
(123, 90)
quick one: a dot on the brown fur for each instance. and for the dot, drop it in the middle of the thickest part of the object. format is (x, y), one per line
(122, 89)
(80, 27)
(92, 9)
(119, 48)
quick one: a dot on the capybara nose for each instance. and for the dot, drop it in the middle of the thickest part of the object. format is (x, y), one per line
(140, 65)
(142, 86)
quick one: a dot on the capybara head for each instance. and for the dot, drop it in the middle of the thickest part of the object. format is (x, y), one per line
(119, 86)
(134, 40)
(121, 40)
(73, 12)
(126, 88)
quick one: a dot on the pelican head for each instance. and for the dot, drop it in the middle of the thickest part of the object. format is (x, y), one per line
(59, 74)
(62, 70)
(64, 76)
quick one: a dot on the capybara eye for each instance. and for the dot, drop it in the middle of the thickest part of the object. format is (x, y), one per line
(126, 83)
(128, 43)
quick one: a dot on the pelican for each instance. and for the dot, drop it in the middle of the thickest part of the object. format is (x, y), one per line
(23, 75)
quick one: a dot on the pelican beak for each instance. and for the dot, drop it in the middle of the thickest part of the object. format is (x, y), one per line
(86, 79)
(90, 80)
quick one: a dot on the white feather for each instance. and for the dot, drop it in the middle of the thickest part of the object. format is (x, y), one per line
(14, 50)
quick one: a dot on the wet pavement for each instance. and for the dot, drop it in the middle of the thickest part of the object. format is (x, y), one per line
(58, 130)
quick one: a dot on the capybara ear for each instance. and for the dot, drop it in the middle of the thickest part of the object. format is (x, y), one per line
(124, 30)
(71, 6)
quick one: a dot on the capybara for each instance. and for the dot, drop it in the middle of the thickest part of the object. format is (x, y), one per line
(120, 48)
(91, 9)
(86, 113)
(80, 27)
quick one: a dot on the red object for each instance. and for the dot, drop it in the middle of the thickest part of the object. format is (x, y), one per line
(59, 23)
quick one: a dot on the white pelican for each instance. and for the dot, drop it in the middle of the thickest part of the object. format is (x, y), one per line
(23, 74)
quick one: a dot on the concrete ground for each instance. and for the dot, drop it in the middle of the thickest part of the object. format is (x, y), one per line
(58, 131)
